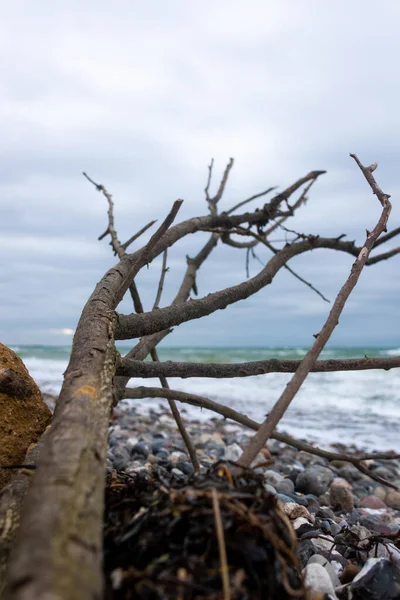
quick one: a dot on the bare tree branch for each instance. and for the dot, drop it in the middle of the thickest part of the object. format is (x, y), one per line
(133, 326)
(384, 256)
(110, 229)
(164, 270)
(230, 413)
(224, 180)
(302, 200)
(137, 235)
(138, 368)
(277, 412)
(387, 237)
(243, 202)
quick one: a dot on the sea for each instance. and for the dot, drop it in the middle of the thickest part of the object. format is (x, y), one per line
(360, 409)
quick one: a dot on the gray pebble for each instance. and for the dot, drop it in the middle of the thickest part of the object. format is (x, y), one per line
(285, 486)
(314, 480)
(141, 448)
(185, 467)
(269, 488)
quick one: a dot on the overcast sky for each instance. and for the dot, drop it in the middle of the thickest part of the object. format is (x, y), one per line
(141, 95)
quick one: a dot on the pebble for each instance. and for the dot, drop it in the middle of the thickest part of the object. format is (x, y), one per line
(378, 579)
(321, 560)
(371, 502)
(341, 497)
(314, 480)
(317, 580)
(233, 452)
(274, 478)
(393, 499)
(293, 510)
(141, 448)
(285, 486)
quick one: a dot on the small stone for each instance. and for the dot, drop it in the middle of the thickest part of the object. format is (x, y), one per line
(323, 544)
(350, 472)
(233, 452)
(157, 445)
(317, 581)
(393, 499)
(299, 522)
(120, 457)
(298, 498)
(132, 441)
(329, 526)
(305, 549)
(270, 488)
(380, 492)
(273, 478)
(341, 497)
(141, 448)
(375, 523)
(387, 550)
(208, 437)
(162, 454)
(285, 499)
(313, 503)
(379, 578)
(185, 467)
(175, 457)
(384, 472)
(341, 481)
(177, 472)
(372, 502)
(285, 486)
(314, 480)
(321, 560)
(325, 513)
(293, 510)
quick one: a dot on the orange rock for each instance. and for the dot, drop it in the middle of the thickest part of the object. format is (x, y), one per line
(23, 414)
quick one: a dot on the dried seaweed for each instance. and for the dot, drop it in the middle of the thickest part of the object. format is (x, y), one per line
(162, 543)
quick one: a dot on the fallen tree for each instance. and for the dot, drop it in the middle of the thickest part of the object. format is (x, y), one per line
(57, 551)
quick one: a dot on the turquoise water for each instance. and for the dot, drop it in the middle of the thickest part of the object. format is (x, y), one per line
(353, 407)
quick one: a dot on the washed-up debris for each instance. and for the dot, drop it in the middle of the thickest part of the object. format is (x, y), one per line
(218, 536)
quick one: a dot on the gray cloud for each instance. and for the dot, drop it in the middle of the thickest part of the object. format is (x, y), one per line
(141, 96)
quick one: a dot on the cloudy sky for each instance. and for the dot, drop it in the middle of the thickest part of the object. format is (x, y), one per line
(141, 95)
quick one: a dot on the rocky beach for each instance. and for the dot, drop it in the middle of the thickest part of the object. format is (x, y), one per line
(347, 525)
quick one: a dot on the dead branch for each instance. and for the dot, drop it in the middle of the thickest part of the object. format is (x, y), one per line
(387, 237)
(137, 235)
(116, 244)
(277, 412)
(164, 270)
(243, 202)
(142, 392)
(301, 200)
(138, 368)
(221, 546)
(133, 326)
